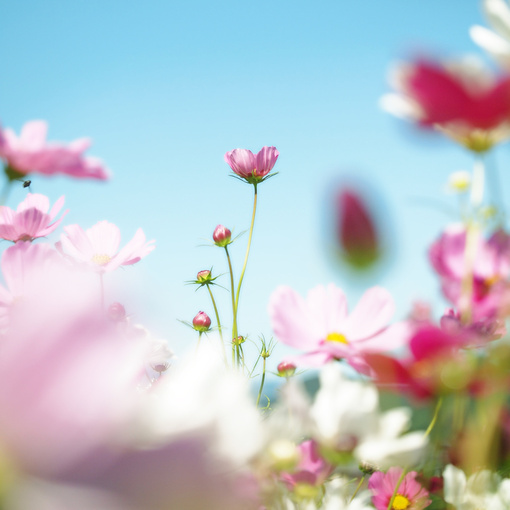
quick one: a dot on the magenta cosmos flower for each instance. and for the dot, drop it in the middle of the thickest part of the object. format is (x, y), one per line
(322, 326)
(98, 246)
(410, 495)
(491, 269)
(30, 152)
(461, 99)
(31, 218)
(250, 167)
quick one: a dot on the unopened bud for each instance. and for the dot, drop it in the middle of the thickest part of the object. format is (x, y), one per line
(116, 312)
(367, 468)
(222, 236)
(204, 276)
(356, 230)
(201, 322)
(161, 367)
(286, 369)
(239, 340)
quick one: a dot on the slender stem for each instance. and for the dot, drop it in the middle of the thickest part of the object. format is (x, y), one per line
(234, 314)
(218, 321)
(247, 248)
(358, 487)
(262, 381)
(434, 418)
(198, 342)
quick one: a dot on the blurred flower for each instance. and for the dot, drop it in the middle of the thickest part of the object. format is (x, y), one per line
(356, 230)
(286, 369)
(321, 325)
(201, 322)
(98, 246)
(482, 489)
(459, 182)
(31, 219)
(221, 236)
(116, 312)
(496, 43)
(31, 153)
(250, 167)
(410, 495)
(491, 267)
(461, 99)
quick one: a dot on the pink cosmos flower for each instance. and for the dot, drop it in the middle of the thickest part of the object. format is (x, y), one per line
(321, 325)
(31, 219)
(98, 246)
(490, 270)
(410, 494)
(461, 99)
(30, 152)
(312, 469)
(253, 168)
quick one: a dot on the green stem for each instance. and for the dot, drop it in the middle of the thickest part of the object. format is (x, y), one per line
(198, 342)
(234, 315)
(247, 249)
(434, 418)
(262, 381)
(358, 487)
(219, 323)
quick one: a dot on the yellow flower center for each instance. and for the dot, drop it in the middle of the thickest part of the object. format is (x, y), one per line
(337, 337)
(101, 260)
(400, 502)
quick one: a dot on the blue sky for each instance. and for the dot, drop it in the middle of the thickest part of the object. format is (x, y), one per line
(165, 88)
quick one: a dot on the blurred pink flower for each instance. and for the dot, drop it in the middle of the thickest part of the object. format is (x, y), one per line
(460, 98)
(98, 246)
(31, 218)
(30, 152)
(410, 494)
(321, 325)
(253, 168)
(490, 269)
(312, 469)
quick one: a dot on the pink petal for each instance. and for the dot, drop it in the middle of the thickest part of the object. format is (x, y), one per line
(33, 134)
(104, 238)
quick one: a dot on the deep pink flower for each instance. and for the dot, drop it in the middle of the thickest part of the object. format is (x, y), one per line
(321, 325)
(202, 322)
(356, 230)
(31, 153)
(490, 269)
(466, 102)
(253, 168)
(410, 494)
(312, 469)
(31, 219)
(98, 246)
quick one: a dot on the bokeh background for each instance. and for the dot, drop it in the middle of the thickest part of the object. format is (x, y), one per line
(165, 88)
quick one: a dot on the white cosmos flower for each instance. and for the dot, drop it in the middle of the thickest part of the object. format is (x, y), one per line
(483, 490)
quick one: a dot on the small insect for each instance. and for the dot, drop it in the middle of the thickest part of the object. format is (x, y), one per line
(27, 183)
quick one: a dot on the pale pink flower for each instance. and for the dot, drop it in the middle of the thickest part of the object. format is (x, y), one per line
(410, 494)
(322, 326)
(253, 168)
(98, 246)
(30, 152)
(31, 218)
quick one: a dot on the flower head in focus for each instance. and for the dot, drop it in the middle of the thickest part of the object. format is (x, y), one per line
(250, 167)
(98, 246)
(31, 218)
(322, 326)
(462, 99)
(410, 494)
(30, 152)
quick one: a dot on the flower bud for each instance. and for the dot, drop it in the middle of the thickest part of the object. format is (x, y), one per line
(116, 312)
(222, 236)
(239, 340)
(286, 369)
(356, 230)
(201, 322)
(204, 276)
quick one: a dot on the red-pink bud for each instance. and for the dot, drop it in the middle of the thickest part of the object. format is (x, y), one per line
(356, 230)
(204, 276)
(286, 369)
(201, 322)
(222, 236)
(116, 312)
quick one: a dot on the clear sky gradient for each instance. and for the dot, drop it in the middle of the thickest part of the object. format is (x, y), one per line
(165, 88)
